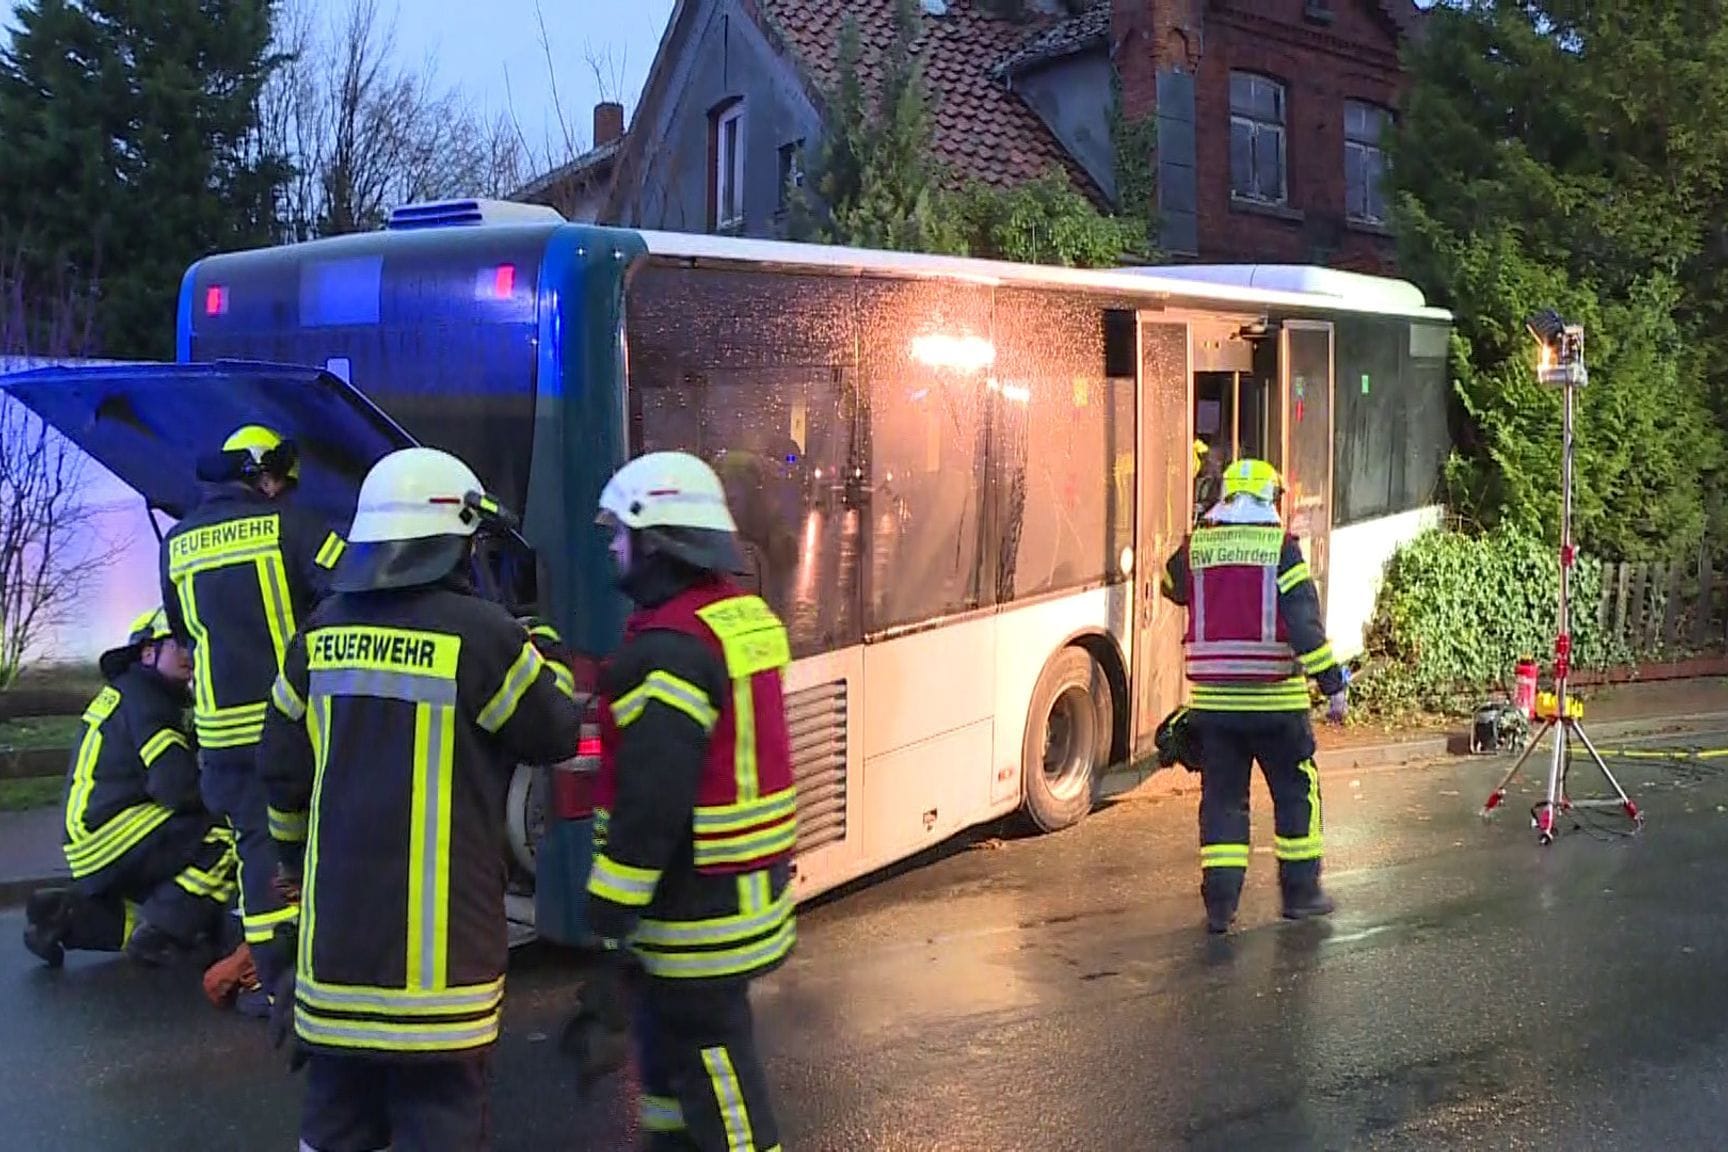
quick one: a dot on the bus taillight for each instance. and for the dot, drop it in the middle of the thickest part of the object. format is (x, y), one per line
(504, 281)
(216, 300)
(573, 780)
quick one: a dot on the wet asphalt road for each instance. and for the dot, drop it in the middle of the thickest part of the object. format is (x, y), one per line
(1475, 991)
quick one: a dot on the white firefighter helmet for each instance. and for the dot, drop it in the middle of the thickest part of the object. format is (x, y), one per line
(416, 511)
(675, 504)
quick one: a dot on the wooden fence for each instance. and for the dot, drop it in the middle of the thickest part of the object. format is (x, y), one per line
(1664, 610)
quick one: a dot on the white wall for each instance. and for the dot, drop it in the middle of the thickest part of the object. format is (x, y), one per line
(1357, 567)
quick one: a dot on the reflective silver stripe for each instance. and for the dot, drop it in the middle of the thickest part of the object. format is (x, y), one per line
(287, 701)
(275, 581)
(1239, 648)
(1197, 601)
(407, 686)
(727, 963)
(209, 563)
(431, 861)
(1279, 668)
(1269, 604)
(517, 681)
(332, 998)
(724, 930)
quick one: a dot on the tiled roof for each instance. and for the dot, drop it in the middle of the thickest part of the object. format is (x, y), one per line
(981, 130)
(1064, 38)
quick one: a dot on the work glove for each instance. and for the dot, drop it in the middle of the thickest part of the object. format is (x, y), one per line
(1338, 704)
(597, 1035)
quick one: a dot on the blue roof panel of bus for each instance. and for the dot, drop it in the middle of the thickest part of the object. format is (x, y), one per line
(149, 423)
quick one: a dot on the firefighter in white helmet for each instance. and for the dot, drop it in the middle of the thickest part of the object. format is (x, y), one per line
(403, 707)
(696, 815)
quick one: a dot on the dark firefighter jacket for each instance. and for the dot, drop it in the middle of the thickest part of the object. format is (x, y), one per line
(131, 772)
(238, 573)
(680, 922)
(408, 710)
(1266, 563)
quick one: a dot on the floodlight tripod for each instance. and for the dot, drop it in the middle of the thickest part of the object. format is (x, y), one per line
(1569, 374)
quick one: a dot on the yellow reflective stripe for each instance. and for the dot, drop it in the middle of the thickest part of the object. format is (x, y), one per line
(714, 819)
(231, 727)
(331, 551)
(1308, 769)
(213, 545)
(621, 883)
(278, 606)
(749, 924)
(261, 927)
(464, 999)
(163, 740)
(1224, 856)
(429, 847)
(83, 778)
(729, 1095)
(217, 886)
(1284, 696)
(1298, 848)
(563, 678)
(286, 700)
(317, 725)
(517, 681)
(93, 851)
(741, 848)
(396, 1036)
(289, 827)
(130, 925)
(670, 690)
(1318, 660)
(1294, 575)
(726, 962)
(661, 1114)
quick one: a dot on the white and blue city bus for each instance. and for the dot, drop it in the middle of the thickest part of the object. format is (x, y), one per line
(957, 480)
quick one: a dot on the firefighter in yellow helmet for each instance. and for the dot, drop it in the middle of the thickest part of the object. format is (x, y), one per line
(401, 711)
(152, 871)
(1254, 636)
(239, 573)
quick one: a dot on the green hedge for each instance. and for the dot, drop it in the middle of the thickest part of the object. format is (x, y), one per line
(1457, 611)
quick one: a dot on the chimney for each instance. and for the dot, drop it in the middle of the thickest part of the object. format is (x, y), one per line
(608, 123)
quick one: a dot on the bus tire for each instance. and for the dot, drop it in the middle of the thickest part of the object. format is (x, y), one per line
(525, 816)
(1068, 735)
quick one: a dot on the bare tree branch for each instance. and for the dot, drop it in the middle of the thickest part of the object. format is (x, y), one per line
(50, 548)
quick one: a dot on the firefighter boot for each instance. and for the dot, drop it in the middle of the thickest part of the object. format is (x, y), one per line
(1221, 889)
(150, 947)
(1304, 899)
(48, 916)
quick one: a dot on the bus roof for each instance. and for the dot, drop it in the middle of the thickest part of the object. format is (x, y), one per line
(1245, 285)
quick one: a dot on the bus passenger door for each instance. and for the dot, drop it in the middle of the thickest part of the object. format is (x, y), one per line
(1307, 360)
(1165, 479)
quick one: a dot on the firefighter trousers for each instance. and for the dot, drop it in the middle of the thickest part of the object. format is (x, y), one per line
(231, 788)
(703, 1086)
(178, 879)
(1283, 745)
(366, 1103)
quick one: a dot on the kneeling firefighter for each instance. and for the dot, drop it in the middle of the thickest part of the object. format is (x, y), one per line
(402, 709)
(1254, 636)
(153, 871)
(690, 892)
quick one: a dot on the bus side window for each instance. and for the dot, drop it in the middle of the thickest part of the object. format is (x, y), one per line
(754, 372)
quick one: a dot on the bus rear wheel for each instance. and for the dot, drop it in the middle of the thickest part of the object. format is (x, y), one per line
(1067, 745)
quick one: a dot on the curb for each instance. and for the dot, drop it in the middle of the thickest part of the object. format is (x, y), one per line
(1137, 783)
(13, 893)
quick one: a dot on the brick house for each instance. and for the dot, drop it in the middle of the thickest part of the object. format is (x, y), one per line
(1266, 112)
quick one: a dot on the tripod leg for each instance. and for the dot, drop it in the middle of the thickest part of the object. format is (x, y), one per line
(1544, 814)
(1499, 793)
(1626, 804)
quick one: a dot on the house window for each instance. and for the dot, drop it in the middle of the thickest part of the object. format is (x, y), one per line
(1257, 139)
(1365, 126)
(791, 171)
(729, 166)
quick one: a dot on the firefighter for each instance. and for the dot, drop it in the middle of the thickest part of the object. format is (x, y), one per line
(1254, 636)
(152, 870)
(238, 573)
(401, 711)
(696, 816)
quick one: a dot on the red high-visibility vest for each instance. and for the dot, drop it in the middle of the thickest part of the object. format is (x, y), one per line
(746, 804)
(1235, 632)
